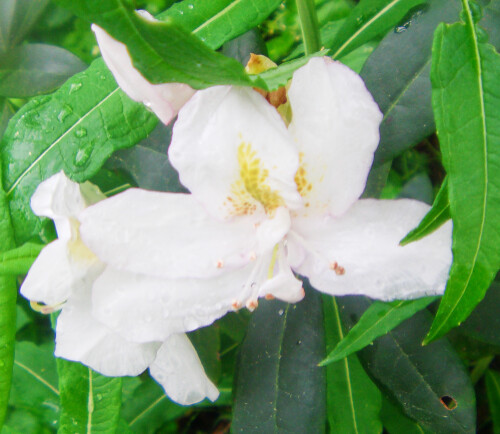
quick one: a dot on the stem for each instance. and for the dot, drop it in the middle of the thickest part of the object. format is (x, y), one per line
(480, 368)
(309, 25)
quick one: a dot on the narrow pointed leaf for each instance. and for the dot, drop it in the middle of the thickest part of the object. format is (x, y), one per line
(19, 260)
(437, 216)
(90, 402)
(395, 422)
(430, 383)
(466, 69)
(353, 401)
(377, 320)
(493, 391)
(8, 296)
(398, 76)
(278, 385)
(367, 20)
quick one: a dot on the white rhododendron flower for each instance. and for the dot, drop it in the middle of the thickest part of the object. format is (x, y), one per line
(164, 100)
(268, 201)
(62, 278)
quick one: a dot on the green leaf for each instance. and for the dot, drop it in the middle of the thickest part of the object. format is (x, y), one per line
(278, 385)
(377, 320)
(369, 19)
(164, 51)
(207, 344)
(218, 21)
(17, 17)
(19, 260)
(437, 216)
(34, 69)
(395, 422)
(353, 400)
(493, 391)
(241, 47)
(75, 129)
(6, 113)
(90, 402)
(34, 383)
(466, 69)
(397, 75)
(8, 296)
(430, 383)
(146, 407)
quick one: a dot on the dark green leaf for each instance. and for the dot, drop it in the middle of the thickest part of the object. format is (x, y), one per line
(16, 20)
(207, 343)
(75, 129)
(90, 402)
(367, 20)
(33, 69)
(418, 187)
(241, 47)
(437, 215)
(430, 383)
(395, 422)
(147, 407)
(490, 22)
(397, 75)
(353, 400)
(6, 113)
(165, 51)
(34, 383)
(493, 390)
(278, 385)
(377, 320)
(484, 322)
(19, 260)
(466, 69)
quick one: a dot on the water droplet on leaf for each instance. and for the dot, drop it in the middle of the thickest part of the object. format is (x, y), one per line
(74, 87)
(82, 156)
(64, 113)
(80, 132)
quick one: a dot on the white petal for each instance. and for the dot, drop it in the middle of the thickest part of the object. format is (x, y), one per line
(219, 134)
(143, 308)
(365, 242)
(164, 99)
(273, 229)
(165, 235)
(284, 286)
(54, 276)
(82, 338)
(179, 371)
(335, 122)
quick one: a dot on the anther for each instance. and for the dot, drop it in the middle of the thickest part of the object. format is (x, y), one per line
(269, 297)
(220, 263)
(252, 305)
(253, 256)
(236, 305)
(339, 271)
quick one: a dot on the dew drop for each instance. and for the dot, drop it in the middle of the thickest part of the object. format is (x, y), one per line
(181, 12)
(64, 113)
(190, 6)
(16, 134)
(2, 363)
(98, 397)
(80, 132)
(82, 156)
(74, 87)
(280, 312)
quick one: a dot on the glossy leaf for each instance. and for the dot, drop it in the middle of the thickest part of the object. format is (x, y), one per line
(278, 385)
(377, 320)
(430, 383)
(395, 422)
(19, 260)
(207, 344)
(34, 383)
(466, 69)
(156, 47)
(437, 215)
(397, 75)
(8, 295)
(34, 69)
(90, 402)
(17, 17)
(353, 401)
(75, 129)
(6, 113)
(367, 20)
(493, 391)
(146, 407)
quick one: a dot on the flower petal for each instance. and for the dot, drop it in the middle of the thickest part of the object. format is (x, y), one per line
(164, 99)
(53, 277)
(335, 122)
(82, 338)
(144, 308)
(165, 235)
(233, 152)
(359, 253)
(178, 369)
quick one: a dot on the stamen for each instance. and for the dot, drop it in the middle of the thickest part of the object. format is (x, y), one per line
(252, 305)
(236, 305)
(219, 263)
(253, 256)
(42, 308)
(269, 297)
(273, 262)
(339, 271)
